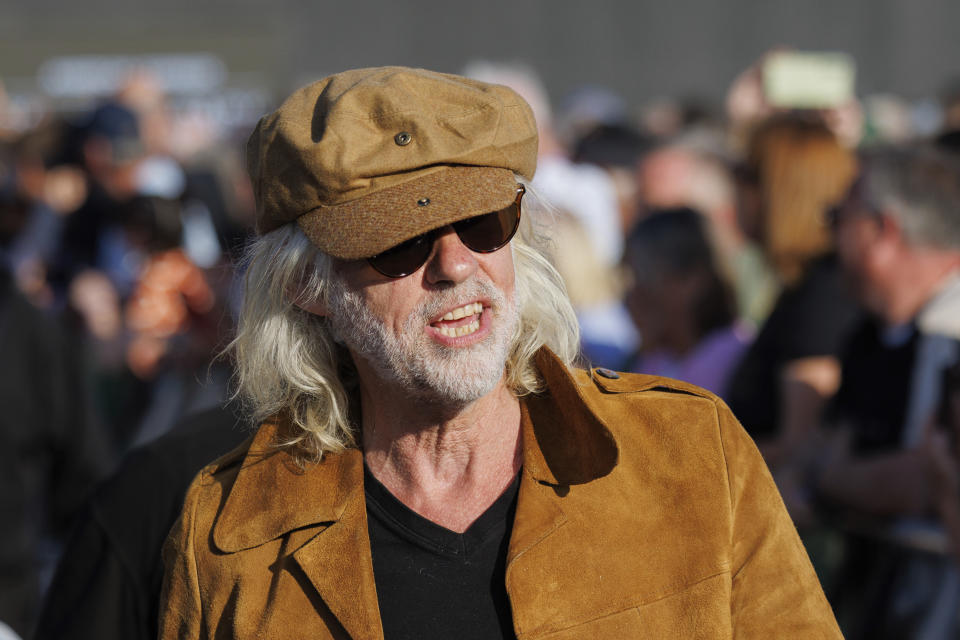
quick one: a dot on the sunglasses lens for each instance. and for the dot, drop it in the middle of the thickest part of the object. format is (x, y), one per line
(403, 259)
(484, 234)
(489, 232)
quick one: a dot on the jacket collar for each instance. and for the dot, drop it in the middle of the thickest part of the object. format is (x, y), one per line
(273, 494)
(564, 443)
(941, 315)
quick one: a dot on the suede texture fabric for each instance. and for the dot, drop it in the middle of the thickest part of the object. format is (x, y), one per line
(644, 511)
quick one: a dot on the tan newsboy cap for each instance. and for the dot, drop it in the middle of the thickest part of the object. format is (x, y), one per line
(366, 159)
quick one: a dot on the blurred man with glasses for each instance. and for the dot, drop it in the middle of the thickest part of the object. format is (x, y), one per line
(898, 240)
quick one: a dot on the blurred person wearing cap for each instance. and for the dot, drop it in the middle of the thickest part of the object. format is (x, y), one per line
(898, 240)
(428, 463)
(110, 150)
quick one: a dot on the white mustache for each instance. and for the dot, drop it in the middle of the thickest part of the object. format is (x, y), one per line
(433, 306)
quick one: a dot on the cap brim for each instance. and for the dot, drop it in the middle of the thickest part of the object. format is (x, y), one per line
(372, 224)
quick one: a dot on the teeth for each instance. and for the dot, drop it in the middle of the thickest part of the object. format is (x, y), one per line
(464, 311)
(456, 332)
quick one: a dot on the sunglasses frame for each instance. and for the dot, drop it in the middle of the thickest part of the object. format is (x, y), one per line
(430, 238)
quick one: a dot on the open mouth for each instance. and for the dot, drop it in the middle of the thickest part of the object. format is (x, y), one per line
(461, 321)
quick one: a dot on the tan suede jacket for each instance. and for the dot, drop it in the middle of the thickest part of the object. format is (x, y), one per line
(644, 511)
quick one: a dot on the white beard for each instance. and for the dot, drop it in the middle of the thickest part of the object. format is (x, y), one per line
(429, 371)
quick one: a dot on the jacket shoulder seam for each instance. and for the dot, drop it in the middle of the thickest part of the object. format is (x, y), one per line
(726, 467)
(638, 382)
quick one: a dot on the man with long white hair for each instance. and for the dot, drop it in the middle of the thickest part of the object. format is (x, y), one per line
(429, 463)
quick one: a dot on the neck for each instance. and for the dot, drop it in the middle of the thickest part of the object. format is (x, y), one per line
(918, 285)
(449, 464)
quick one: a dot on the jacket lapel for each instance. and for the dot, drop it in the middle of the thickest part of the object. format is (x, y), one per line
(273, 496)
(564, 444)
(538, 511)
(339, 565)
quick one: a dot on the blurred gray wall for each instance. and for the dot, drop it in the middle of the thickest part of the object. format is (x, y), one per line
(642, 49)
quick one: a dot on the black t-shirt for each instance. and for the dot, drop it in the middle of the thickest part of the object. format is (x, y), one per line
(872, 400)
(812, 318)
(436, 583)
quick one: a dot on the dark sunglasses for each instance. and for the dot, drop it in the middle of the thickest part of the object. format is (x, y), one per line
(833, 216)
(483, 234)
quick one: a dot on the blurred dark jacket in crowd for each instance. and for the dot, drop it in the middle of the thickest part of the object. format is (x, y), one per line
(51, 450)
(107, 585)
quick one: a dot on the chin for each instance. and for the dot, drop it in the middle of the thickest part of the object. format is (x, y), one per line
(459, 379)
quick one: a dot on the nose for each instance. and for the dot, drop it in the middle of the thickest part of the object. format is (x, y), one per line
(451, 261)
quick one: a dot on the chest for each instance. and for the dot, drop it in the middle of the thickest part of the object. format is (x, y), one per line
(602, 560)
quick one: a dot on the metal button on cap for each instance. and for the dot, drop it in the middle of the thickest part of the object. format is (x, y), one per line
(423, 202)
(607, 373)
(403, 138)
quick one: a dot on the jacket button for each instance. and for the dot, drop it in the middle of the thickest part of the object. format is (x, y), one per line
(402, 139)
(607, 373)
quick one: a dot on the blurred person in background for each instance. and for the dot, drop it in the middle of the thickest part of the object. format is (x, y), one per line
(949, 137)
(590, 247)
(942, 443)
(591, 281)
(153, 350)
(107, 584)
(898, 239)
(671, 118)
(795, 171)
(185, 149)
(587, 108)
(51, 447)
(48, 190)
(173, 321)
(110, 152)
(749, 102)
(5, 131)
(616, 148)
(142, 92)
(684, 173)
(133, 262)
(950, 99)
(680, 301)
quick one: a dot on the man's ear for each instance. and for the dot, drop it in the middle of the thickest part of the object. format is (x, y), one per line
(297, 294)
(890, 232)
(890, 227)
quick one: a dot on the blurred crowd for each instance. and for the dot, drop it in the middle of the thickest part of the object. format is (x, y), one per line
(116, 289)
(801, 261)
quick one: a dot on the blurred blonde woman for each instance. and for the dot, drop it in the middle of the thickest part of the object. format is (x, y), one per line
(796, 171)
